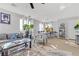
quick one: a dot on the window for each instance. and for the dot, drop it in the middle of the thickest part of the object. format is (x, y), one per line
(21, 24)
(41, 27)
(24, 21)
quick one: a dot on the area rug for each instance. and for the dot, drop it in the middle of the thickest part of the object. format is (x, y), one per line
(59, 53)
(47, 53)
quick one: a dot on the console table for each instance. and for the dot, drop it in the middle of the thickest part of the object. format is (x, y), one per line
(11, 44)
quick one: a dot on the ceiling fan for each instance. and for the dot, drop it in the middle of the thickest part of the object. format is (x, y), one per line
(32, 5)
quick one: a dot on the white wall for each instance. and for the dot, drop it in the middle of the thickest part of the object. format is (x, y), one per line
(15, 23)
(36, 26)
(69, 27)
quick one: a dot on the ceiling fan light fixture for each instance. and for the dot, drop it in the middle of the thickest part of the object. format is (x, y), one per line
(42, 3)
(32, 6)
(13, 4)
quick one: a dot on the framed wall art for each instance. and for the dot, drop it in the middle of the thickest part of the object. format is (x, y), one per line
(4, 18)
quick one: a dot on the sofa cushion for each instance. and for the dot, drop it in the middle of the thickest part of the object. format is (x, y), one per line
(20, 35)
(3, 41)
(3, 36)
(12, 36)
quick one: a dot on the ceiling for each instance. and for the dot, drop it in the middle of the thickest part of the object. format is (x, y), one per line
(44, 12)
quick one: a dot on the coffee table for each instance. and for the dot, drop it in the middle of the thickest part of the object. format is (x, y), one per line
(14, 43)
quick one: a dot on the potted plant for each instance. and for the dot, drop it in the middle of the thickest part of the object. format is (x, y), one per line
(76, 26)
(28, 28)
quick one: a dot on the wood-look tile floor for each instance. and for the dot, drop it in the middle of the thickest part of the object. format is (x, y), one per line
(54, 45)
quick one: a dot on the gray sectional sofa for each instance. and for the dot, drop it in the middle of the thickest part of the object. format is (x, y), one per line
(12, 37)
(6, 37)
(3, 38)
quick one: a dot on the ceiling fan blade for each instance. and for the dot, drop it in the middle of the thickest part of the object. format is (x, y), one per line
(32, 6)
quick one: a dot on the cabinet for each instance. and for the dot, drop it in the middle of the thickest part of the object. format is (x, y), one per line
(77, 39)
(62, 30)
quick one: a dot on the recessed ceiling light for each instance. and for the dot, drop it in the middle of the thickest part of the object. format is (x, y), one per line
(62, 7)
(13, 4)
